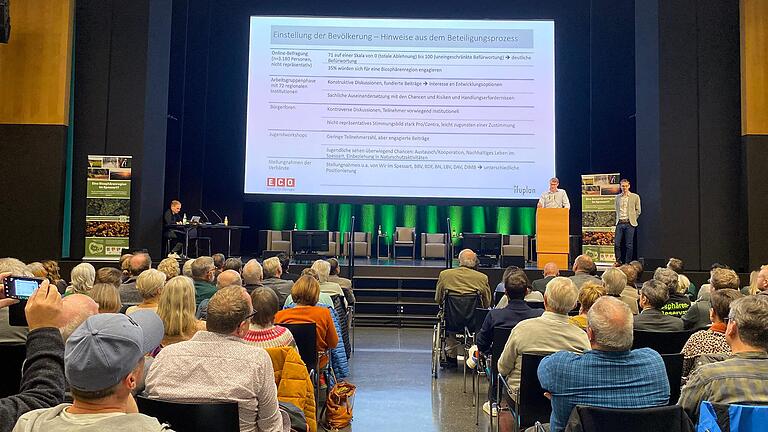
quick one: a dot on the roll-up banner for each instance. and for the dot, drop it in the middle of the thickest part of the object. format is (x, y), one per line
(598, 216)
(108, 207)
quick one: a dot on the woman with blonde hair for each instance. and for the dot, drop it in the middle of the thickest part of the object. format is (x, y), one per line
(150, 285)
(107, 297)
(177, 310)
(590, 292)
(170, 267)
(82, 279)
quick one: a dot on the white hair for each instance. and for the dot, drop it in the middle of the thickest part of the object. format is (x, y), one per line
(82, 277)
(149, 283)
(611, 322)
(561, 295)
(323, 269)
(252, 272)
(468, 258)
(615, 281)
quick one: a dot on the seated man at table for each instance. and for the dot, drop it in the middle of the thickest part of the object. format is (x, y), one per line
(173, 216)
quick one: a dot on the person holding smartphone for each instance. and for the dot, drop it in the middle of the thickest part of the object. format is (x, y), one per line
(43, 384)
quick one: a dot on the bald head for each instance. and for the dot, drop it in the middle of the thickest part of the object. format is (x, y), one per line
(76, 308)
(227, 278)
(610, 325)
(138, 263)
(252, 272)
(583, 264)
(550, 269)
(468, 258)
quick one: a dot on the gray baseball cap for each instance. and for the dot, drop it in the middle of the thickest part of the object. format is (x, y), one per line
(107, 347)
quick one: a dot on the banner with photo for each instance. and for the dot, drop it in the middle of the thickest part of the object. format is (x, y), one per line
(108, 207)
(598, 216)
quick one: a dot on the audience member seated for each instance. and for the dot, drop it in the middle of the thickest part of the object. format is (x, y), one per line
(169, 267)
(611, 374)
(262, 331)
(462, 280)
(617, 285)
(698, 317)
(75, 309)
(344, 283)
(712, 340)
(516, 287)
(551, 332)
(54, 275)
(42, 384)
(751, 289)
(203, 274)
(530, 295)
(306, 293)
(103, 362)
(272, 273)
(81, 279)
(107, 297)
(741, 377)
(632, 278)
(678, 303)
(186, 270)
(653, 295)
(285, 264)
(583, 270)
(37, 270)
(137, 264)
(217, 366)
(225, 279)
(705, 289)
(109, 275)
(550, 272)
(11, 335)
(677, 266)
(177, 310)
(588, 295)
(150, 285)
(125, 261)
(235, 264)
(762, 280)
(323, 269)
(253, 274)
(638, 266)
(218, 261)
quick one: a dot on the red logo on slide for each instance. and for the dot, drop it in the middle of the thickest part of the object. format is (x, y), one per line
(281, 182)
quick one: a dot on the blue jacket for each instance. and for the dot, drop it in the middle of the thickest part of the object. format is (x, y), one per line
(338, 354)
(513, 313)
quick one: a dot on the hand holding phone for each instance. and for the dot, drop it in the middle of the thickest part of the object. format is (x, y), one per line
(20, 287)
(44, 307)
(5, 302)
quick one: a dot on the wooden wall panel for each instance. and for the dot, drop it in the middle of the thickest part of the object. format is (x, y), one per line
(754, 67)
(35, 65)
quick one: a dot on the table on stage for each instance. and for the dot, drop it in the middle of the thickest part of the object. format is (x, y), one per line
(202, 227)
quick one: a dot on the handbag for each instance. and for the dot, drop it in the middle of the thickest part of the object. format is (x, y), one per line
(338, 405)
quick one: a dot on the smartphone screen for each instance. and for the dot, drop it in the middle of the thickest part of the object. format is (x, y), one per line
(25, 288)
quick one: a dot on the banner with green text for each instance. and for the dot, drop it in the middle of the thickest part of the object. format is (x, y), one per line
(108, 207)
(598, 216)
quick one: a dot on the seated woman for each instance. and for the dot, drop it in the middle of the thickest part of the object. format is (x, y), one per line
(263, 332)
(150, 285)
(107, 296)
(54, 276)
(306, 292)
(170, 267)
(590, 292)
(324, 298)
(711, 340)
(82, 279)
(177, 310)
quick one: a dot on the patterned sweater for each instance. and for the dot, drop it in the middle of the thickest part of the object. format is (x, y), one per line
(269, 337)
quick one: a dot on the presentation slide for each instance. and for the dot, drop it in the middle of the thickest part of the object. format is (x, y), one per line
(400, 108)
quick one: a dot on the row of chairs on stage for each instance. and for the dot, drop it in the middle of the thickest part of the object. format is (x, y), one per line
(463, 316)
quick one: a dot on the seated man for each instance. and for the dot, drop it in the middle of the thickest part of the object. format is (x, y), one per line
(103, 362)
(225, 279)
(204, 274)
(272, 279)
(285, 265)
(697, 316)
(550, 272)
(743, 377)
(217, 365)
(252, 275)
(551, 332)
(583, 270)
(611, 374)
(653, 296)
(615, 282)
(462, 280)
(136, 264)
(172, 217)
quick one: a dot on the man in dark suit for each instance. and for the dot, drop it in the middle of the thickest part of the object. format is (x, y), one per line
(653, 296)
(172, 216)
(550, 272)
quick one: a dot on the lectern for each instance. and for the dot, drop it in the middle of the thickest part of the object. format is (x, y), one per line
(552, 236)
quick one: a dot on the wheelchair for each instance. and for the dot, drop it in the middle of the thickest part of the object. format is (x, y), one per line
(456, 316)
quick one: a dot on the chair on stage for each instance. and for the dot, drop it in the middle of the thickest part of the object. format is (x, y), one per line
(514, 246)
(404, 237)
(334, 244)
(361, 242)
(434, 245)
(279, 241)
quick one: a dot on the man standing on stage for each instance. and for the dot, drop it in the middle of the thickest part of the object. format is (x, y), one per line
(173, 216)
(627, 212)
(554, 197)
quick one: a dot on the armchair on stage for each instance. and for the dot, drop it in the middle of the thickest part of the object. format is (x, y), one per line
(404, 237)
(514, 250)
(552, 236)
(434, 245)
(362, 244)
(279, 241)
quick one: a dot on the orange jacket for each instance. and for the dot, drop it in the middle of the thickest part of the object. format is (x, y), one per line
(293, 382)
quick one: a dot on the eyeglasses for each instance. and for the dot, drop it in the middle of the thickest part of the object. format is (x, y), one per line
(253, 314)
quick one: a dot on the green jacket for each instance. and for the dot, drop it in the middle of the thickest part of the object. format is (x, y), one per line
(203, 290)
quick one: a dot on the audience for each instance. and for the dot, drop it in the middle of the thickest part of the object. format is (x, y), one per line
(653, 295)
(285, 264)
(741, 377)
(306, 292)
(698, 317)
(272, 272)
(617, 285)
(638, 266)
(253, 274)
(550, 272)
(678, 303)
(107, 297)
(610, 374)
(323, 269)
(109, 275)
(169, 267)
(187, 268)
(177, 310)
(262, 331)
(37, 270)
(551, 332)
(712, 340)
(583, 270)
(218, 261)
(136, 264)
(82, 278)
(125, 260)
(76, 308)
(54, 275)
(42, 384)
(762, 280)
(103, 363)
(677, 266)
(11, 335)
(705, 289)
(203, 274)
(150, 286)
(235, 264)
(216, 365)
(530, 296)
(588, 295)
(344, 283)
(751, 289)
(225, 279)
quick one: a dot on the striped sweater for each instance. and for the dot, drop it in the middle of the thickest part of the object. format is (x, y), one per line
(270, 337)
